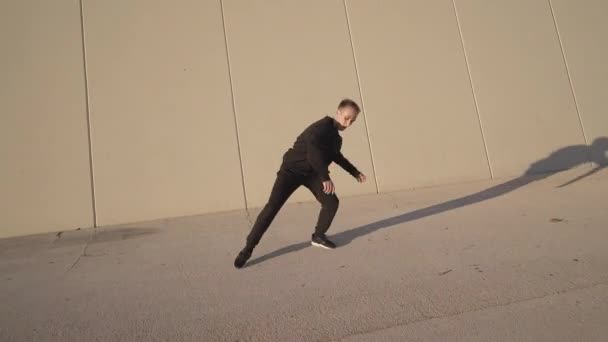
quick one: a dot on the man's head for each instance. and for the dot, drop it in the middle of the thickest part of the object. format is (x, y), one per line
(346, 114)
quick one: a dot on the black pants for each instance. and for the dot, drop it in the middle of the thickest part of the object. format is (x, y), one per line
(285, 185)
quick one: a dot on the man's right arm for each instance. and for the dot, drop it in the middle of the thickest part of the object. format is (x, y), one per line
(314, 154)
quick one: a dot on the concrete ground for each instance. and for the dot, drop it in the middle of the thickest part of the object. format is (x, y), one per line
(518, 260)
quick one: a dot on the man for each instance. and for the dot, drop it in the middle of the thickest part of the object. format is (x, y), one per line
(306, 164)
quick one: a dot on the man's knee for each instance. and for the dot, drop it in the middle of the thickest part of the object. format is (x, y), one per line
(331, 202)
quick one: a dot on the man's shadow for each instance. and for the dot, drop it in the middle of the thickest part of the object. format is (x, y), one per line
(560, 160)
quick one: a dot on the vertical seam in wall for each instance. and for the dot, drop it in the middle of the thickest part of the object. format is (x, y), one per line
(236, 122)
(561, 47)
(88, 112)
(466, 60)
(369, 141)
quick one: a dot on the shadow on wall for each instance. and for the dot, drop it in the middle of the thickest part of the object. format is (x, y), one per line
(562, 159)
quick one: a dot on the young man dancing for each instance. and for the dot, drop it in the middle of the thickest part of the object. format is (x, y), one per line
(306, 164)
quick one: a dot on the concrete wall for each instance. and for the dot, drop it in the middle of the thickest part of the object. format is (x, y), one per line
(45, 181)
(119, 111)
(583, 34)
(520, 81)
(287, 73)
(162, 124)
(423, 124)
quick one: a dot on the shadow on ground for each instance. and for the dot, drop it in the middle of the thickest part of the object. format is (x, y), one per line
(560, 160)
(101, 235)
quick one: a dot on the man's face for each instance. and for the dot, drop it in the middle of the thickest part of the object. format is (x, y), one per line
(345, 117)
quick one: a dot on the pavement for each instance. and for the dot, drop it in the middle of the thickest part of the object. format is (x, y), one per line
(503, 260)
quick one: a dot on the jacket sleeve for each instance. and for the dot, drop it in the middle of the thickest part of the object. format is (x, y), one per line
(314, 154)
(346, 165)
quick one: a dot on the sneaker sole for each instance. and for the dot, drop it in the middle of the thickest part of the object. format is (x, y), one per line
(320, 245)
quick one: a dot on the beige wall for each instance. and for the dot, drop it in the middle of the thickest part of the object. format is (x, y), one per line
(519, 77)
(192, 104)
(422, 118)
(45, 182)
(583, 29)
(164, 142)
(291, 62)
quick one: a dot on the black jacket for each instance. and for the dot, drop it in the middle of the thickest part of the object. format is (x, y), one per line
(315, 149)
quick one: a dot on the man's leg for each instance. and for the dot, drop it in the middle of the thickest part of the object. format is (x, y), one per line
(284, 186)
(329, 207)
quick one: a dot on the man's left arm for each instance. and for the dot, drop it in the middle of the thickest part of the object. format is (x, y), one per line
(346, 165)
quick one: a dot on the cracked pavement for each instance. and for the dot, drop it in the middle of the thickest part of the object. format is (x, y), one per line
(502, 260)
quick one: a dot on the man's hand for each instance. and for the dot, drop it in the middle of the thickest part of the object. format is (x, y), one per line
(361, 178)
(328, 187)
